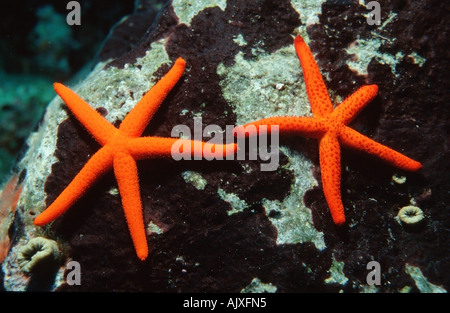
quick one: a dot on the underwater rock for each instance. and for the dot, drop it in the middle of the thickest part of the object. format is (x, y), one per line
(242, 226)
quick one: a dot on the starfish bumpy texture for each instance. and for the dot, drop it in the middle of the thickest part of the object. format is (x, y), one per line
(330, 128)
(120, 150)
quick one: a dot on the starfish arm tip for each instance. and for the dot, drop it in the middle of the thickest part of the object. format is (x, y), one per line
(181, 61)
(374, 89)
(57, 87)
(142, 253)
(415, 166)
(298, 40)
(339, 220)
(38, 221)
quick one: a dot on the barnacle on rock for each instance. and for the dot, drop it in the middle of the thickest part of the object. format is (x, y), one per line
(39, 254)
(411, 217)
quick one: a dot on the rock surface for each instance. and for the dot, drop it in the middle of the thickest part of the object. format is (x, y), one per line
(227, 226)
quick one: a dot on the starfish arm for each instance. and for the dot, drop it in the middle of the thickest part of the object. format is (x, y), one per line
(288, 125)
(126, 172)
(351, 106)
(95, 124)
(330, 167)
(315, 86)
(98, 164)
(137, 119)
(353, 139)
(160, 147)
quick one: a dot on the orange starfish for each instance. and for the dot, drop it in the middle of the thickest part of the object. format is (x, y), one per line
(329, 127)
(121, 148)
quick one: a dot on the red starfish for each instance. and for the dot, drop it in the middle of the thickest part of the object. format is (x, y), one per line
(121, 148)
(329, 127)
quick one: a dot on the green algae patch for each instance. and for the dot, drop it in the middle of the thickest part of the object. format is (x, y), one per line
(257, 286)
(421, 281)
(195, 179)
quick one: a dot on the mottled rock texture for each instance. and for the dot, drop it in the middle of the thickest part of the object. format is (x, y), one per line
(202, 248)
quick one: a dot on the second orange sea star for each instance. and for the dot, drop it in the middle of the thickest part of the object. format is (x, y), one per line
(330, 128)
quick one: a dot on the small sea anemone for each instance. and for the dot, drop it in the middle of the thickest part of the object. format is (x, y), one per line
(411, 217)
(39, 254)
